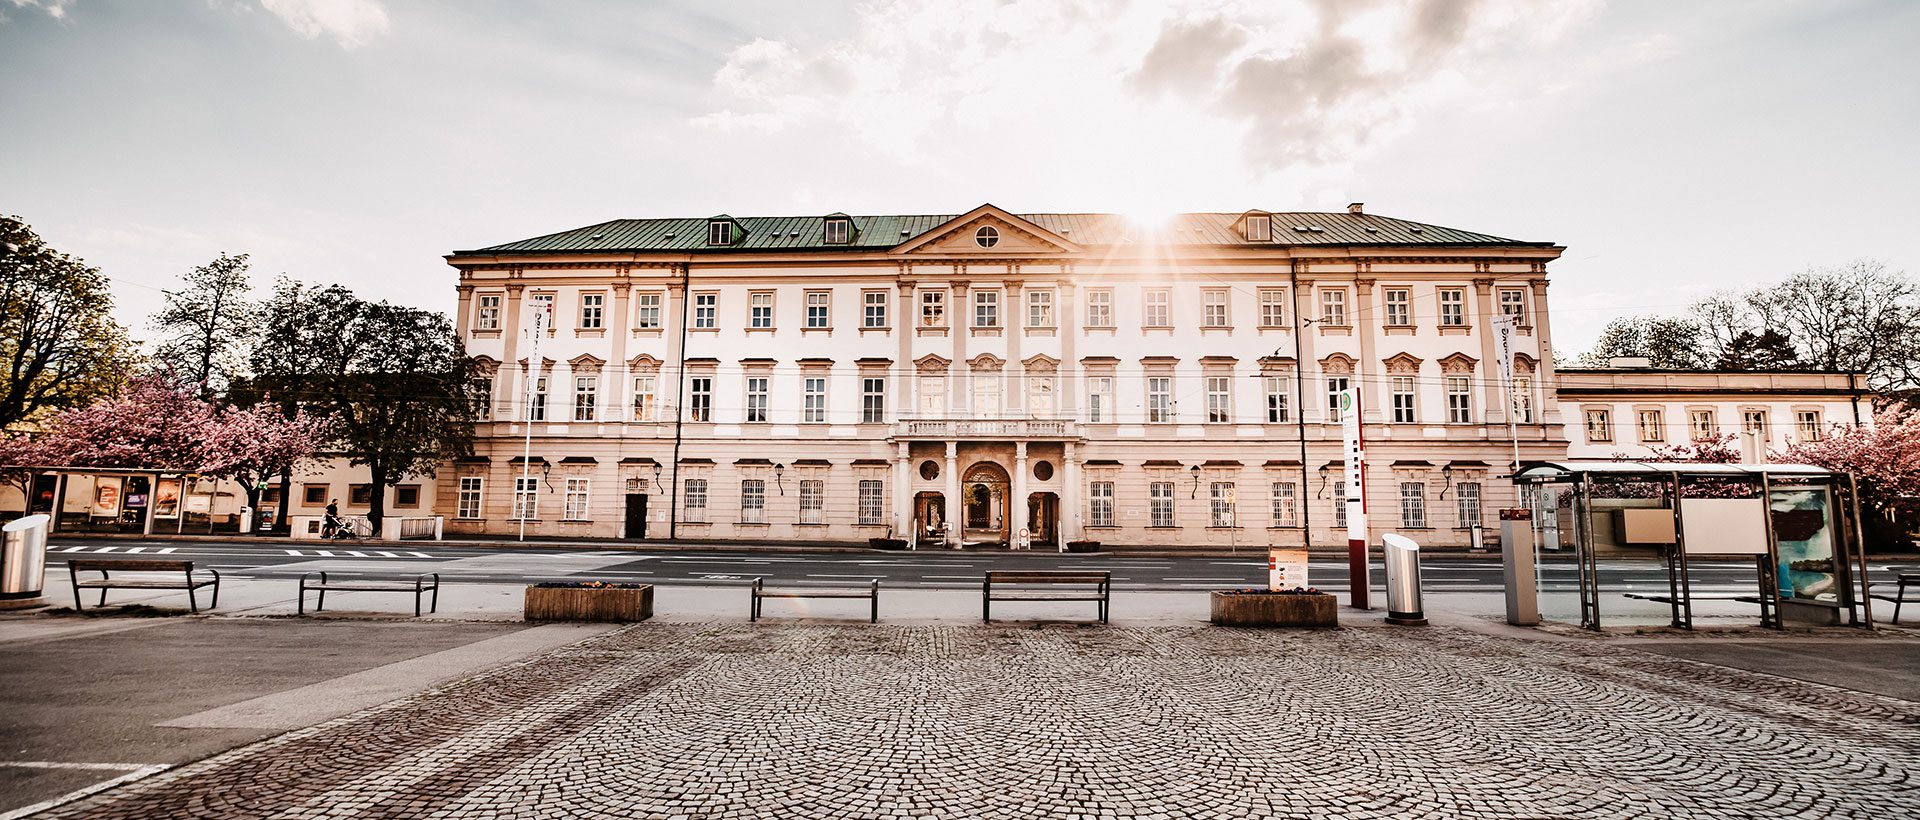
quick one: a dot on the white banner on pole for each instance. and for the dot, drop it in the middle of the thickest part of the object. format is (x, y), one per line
(1355, 459)
(1504, 329)
(537, 334)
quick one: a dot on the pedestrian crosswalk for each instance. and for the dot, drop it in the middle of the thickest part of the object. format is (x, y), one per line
(318, 553)
(127, 550)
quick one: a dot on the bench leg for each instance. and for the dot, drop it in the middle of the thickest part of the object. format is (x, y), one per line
(192, 604)
(78, 606)
(875, 617)
(321, 604)
(436, 597)
(215, 604)
(300, 608)
(103, 596)
(416, 601)
(753, 608)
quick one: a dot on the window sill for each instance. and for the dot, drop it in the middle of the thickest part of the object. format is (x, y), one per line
(457, 518)
(1336, 330)
(486, 334)
(1168, 329)
(1455, 330)
(811, 524)
(881, 329)
(1216, 328)
(1281, 328)
(753, 524)
(703, 330)
(1165, 528)
(576, 520)
(646, 331)
(827, 330)
(1284, 527)
(1041, 331)
(589, 332)
(760, 330)
(1226, 528)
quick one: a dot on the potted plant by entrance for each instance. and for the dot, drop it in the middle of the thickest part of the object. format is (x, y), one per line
(1083, 545)
(1295, 607)
(588, 601)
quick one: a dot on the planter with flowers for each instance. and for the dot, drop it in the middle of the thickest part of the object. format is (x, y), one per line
(1296, 607)
(588, 601)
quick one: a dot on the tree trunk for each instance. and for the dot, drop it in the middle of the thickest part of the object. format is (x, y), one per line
(377, 505)
(281, 523)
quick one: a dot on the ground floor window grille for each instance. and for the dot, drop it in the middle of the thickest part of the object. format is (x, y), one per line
(1286, 505)
(813, 497)
(1160, 504)
(695, 497)
(1339, 503)
(1100, 504)
(576, 506)
(872, 502)
(1413, 505)
(753, 501)
(469, 502)
(1467, 497)
(525, 497)
(1221, 493)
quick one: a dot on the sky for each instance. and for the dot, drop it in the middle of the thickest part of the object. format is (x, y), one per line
(1674, 148)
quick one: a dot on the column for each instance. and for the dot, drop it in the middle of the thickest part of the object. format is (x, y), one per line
(1361, 316)
(1070, 503)
(670, 326)
(959, 390)
(903, 499)
(1019, 500)
(952, 472)
(1492, 396)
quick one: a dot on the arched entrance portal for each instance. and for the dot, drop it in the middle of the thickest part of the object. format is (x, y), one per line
(984, 493)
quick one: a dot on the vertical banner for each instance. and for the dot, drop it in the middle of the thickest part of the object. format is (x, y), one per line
(1504, 329)
(539, 320)
(1359, 581)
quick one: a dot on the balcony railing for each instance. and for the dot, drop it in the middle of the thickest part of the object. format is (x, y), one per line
(985, 428)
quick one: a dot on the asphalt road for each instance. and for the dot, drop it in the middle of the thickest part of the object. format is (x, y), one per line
(925, 568)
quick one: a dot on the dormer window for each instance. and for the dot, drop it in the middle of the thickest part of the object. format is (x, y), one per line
(839, 230)
(986, 237)
(720, 231)
(1259, 228)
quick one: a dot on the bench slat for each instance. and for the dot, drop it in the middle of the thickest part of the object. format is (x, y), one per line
(781, 593)
(348, 586)
(116, 583)
(129, 565)
(1000, 577)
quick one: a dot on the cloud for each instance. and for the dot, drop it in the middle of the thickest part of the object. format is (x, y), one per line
(352, 23)
(1289, 84)
(57, 9)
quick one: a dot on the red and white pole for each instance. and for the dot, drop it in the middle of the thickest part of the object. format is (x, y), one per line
(1359, 579)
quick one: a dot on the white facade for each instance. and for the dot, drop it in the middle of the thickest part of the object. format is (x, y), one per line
(1630, 412)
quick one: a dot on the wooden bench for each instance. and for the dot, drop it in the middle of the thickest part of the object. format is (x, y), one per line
(1899, 596)
(1101, 583)
(418, 586)
(106, 568)
(761, 592)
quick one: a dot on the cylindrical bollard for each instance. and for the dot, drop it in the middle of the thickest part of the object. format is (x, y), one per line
(23, 561)
(1403, 581)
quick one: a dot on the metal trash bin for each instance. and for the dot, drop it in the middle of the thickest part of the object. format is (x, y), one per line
(23, 557)
(1403, 581)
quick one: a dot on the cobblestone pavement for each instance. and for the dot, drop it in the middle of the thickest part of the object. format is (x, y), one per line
(723, 721)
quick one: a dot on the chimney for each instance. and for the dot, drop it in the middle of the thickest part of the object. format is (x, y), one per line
(1629, 362)
(1356, 207)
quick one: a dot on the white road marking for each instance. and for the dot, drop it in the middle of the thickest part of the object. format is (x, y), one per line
(136, 549)
(385, 554)
(325, 553)
(295, 552)
(419, 555)
(75, 549)
(356, 553)
(168, 550)
(105, 549)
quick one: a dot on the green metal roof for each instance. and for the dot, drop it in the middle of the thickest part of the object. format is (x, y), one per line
(878, 233)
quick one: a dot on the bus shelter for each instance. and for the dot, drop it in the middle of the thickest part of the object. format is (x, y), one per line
(1799, 525)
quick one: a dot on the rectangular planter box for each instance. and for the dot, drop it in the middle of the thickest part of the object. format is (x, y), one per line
(1315, 610)
(614, 605)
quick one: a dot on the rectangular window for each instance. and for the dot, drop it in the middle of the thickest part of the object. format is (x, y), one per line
(1459, 399)
(1755, 421)
(526, 498)
(1703, 424)
(1514, 303)
(1808, 422)
(1160, 504)
(1653, 426)
(1523, 399)
(933, 308)
(482, 397)
(838, 231)
(1276, 389)
(537, 411)
(813, 500)
(1333, 308)
(757, 398)
(1099, 308)
(1467, 503)
(873, 309)
(1453, 307)
(1159, 399)
(1399, 307)
(575, 508)
(645, 405)
(646, 312)
(314, 494)
(1273, 307)
(1213, 308)
(760, 310)
(819, 309)
(1156, 308)
(593, 311)
(933, 396)
(1286, 505)
(720, 233)
(1100, 400)
(706, 310)
(986, 308)
(873, 400)
(753, 501)
(1039, 308)
(1413, 505)
(1599, 426)
(986, 394)
(1040, 397)
(1100, 504)
(814, 403)
(1221, 494)
(468, 504)
(700, 398)
(1259, 229)
(1219, 399)
(695, 500)
(1335, 386)
(406, 496)
(873, 507)
(487, 317)
(1339, 503)
(586, 395)
(1401, 392)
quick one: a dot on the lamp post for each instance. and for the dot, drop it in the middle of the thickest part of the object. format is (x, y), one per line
(778, 471)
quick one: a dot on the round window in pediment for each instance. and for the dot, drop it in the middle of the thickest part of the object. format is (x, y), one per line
(987, 237)
(1043, 470)
(929, 470)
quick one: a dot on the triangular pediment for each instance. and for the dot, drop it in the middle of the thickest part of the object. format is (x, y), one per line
(988, 230)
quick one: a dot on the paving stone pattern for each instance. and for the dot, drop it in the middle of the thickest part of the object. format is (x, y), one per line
(1058, 721)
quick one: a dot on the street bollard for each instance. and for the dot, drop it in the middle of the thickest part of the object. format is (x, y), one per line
(1517, 567)
(1403, 581)
(23, 562)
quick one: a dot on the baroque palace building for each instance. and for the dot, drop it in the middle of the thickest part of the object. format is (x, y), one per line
(967, 378)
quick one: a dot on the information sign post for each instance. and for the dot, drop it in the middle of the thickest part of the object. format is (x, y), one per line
(1359, 579)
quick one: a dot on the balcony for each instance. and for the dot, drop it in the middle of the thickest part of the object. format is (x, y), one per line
(985, 429)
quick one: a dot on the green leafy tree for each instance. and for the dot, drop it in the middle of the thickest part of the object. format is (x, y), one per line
(300, 343)
(1766, 350)
(1858, 317)
(205, 327)
(59, 345)
(1663, 341)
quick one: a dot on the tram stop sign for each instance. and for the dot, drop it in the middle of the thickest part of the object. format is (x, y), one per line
(1024, 539)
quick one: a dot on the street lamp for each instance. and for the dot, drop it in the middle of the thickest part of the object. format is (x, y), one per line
(778, 471)
(1195, 472)
(656, 476)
